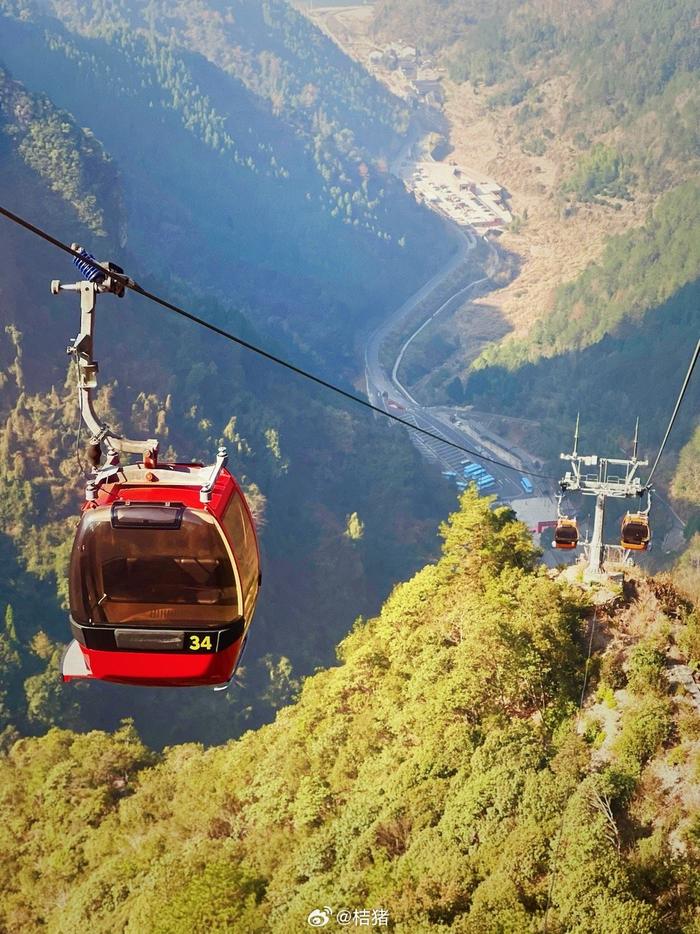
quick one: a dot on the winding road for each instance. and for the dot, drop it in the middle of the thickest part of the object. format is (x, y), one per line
(385, 389)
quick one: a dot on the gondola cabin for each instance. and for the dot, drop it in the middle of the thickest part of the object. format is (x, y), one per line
(164, 578)
(566, 534)
(635, 532)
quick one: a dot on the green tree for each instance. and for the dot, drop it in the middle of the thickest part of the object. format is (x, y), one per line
(10, 669)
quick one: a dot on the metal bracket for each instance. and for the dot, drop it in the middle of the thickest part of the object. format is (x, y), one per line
(82, 349)
(206, 490)
(104, 474)
(560, 514)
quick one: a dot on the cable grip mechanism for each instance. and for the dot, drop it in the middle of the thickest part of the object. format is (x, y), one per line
(97, 279)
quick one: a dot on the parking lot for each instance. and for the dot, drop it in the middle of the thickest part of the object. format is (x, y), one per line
(467, 198)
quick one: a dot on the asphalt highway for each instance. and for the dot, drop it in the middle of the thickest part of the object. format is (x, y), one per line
(384, 387)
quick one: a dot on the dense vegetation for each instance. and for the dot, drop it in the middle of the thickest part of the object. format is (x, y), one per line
(270, 187)
(271, 48)
(636, 369)
(600, 173)
(638, 271)
(686, 483)
(71, 160)
(629, 69)
(440, 773)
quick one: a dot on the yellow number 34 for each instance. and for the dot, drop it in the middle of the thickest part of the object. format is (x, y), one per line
(199, 643)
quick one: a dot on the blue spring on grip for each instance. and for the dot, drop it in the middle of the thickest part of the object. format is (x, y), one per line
(88, 267)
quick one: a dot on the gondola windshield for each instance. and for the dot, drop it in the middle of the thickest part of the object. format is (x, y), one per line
(133, 564)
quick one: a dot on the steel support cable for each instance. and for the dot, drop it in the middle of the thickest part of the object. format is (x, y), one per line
(129, 283)
(693, 361)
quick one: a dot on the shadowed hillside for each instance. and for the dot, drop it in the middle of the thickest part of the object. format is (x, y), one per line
(307, 465)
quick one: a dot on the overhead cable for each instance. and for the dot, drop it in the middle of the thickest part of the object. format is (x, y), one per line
(691, 367)
(129, 283)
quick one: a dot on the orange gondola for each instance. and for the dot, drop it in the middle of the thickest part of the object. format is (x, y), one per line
(635, 532)
(566, 533)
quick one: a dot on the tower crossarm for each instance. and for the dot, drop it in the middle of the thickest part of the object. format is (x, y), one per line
(620, 481)
(614, 486)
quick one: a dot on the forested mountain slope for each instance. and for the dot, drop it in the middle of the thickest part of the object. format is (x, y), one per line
(637, 273)
(271, 49)
(308, 465)
(617, 342)
(440, 773)
(241, 170)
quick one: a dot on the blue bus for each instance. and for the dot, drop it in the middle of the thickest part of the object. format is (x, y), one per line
(526, 485)
(486, 481)
(473, 471)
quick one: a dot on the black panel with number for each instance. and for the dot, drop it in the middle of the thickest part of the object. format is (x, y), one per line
(201, 642)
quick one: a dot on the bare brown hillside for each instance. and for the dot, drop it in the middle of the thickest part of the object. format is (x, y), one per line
(553, 244)
(530, 148)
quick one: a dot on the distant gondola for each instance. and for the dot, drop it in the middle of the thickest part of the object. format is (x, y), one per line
(566, 533)
(635, 531)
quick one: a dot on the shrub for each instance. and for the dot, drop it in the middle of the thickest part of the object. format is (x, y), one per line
(612, 670)
(601, 171)
(689, 724)
(689, 640)
(606, 695)
(677, 755)
(645, 670)
(644, 729)
(594, 734)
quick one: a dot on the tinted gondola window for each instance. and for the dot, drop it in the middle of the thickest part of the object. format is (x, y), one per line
(149, 573)
(240, 532)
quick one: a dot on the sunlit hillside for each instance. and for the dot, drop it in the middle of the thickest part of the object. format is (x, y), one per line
(442, 773)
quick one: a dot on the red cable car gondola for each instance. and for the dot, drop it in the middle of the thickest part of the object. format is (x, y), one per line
(165, 568)
(163, 587)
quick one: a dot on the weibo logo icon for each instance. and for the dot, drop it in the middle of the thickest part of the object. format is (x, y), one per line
(320, 917)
